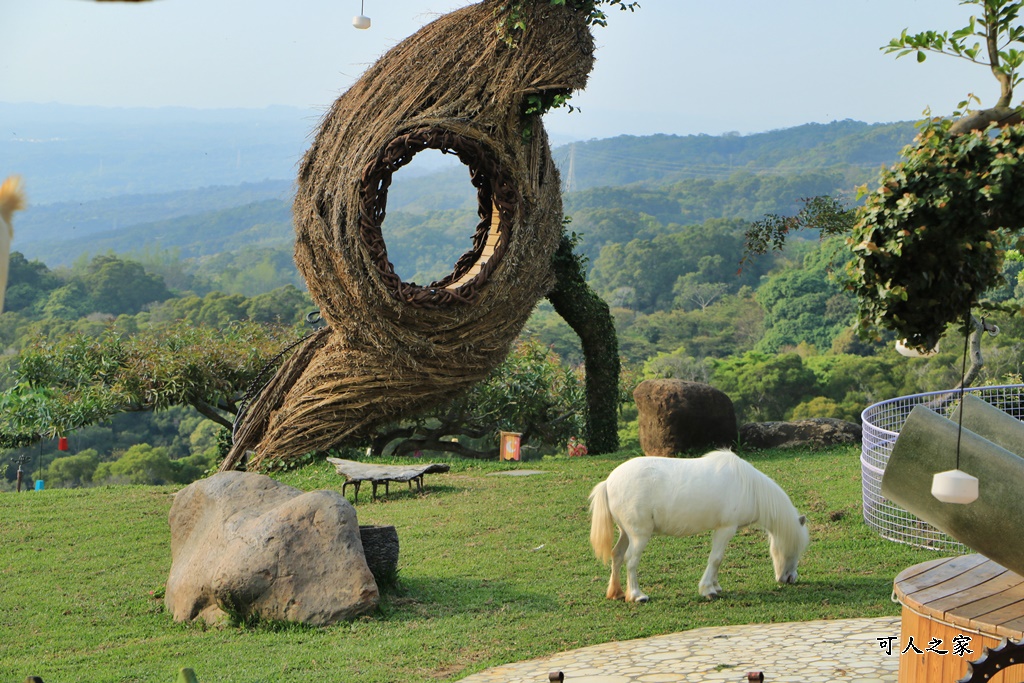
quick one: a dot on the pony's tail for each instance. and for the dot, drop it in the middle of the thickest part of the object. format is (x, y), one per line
(602, 526)
(11, 198)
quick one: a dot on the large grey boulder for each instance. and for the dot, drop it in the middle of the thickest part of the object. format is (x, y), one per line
(815, 432)
(676, 416)
(244, 545)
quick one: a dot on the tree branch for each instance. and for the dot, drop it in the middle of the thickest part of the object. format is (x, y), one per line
(211, 413)
(980, 120)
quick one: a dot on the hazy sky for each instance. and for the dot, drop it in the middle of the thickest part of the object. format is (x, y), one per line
(674, 66)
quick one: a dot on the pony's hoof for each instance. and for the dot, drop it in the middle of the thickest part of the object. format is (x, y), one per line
(640, 598)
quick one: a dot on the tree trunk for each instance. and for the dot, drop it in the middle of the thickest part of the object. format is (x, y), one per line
(588, 315)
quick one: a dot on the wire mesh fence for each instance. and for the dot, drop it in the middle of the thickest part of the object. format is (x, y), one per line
(881, 425)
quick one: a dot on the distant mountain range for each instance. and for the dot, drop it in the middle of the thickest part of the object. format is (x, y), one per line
(134, 179)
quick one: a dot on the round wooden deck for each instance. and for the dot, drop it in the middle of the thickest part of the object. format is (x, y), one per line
(952, 605)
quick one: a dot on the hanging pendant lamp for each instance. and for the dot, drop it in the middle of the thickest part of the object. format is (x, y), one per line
(957, 486)
(361, 21)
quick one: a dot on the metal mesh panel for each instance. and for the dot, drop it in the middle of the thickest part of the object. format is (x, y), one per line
(882, 423)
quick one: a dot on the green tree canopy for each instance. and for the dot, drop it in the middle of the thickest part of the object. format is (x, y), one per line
(78, 380)
(118, 286)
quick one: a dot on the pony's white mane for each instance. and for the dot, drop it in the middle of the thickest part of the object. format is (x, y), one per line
(776, 513)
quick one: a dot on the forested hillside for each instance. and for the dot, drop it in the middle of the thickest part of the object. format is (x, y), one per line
(661, 222)
(856, 147)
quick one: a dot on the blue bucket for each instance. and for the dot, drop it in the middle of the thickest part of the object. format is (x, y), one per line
(39, 484)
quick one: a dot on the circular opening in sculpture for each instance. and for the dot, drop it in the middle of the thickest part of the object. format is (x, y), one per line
(497, 203)
(432, 216)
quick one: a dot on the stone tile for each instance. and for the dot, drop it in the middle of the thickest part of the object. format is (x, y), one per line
(800, 652)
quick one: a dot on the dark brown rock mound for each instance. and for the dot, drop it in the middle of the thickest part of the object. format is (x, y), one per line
(677, 416)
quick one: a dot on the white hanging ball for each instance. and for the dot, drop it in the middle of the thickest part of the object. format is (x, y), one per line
(910, 352)
(955, 486)
(361, 22)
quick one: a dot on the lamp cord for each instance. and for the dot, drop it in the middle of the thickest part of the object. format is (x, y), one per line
(963, 375)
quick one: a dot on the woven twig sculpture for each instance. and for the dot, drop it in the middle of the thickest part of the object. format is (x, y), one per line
(393, 348)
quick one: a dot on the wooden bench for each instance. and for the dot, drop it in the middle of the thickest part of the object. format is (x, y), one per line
(966, 597)
(356, 473)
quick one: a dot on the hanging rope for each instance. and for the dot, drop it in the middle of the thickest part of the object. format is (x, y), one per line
(963, 375)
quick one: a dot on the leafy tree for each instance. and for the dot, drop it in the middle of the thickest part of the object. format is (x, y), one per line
(78, 380)
(73, 470)
(692, 260)
(206, 438)
(677, 365)
(692, 293)
(805, 304)
(849, 383)
(729, 326)
(991, 39)
(648, 268)
(216, 309)
(284, 305)
(28, 283)
(531, 392)
(550, 329)
(69, 302)
(762, 386)
(141, 464)
(168, 265)
(118, 286)
(186, 470)
(930, 241)
(250, 270)
(23, 409)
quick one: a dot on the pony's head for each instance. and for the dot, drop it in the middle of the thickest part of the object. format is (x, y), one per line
(788, 543)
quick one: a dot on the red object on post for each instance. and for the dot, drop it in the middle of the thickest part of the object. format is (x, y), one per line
(62, 443)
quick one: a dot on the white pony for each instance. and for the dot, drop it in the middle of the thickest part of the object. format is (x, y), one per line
(680, 497)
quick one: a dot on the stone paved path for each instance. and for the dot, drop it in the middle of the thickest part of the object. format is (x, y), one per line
(801, 652)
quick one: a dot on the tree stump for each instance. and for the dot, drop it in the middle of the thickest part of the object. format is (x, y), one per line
(380, 547)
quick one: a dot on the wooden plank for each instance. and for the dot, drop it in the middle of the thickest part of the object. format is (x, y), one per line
(931, 666)
(935, 575)
(955, 604)
(958, 584)
(937, 663)
(921, 568)
(467, 276)
(998, 618)
(977, 609)
(1016, 625)
(908, 669)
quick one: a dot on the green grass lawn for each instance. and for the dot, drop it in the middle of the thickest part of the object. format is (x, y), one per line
(492, 569)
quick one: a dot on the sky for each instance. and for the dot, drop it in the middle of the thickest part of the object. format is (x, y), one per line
(674, 66)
